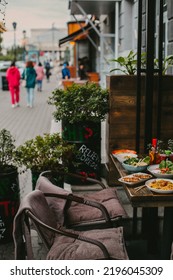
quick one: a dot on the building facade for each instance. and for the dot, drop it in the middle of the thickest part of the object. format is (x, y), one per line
(118, 29)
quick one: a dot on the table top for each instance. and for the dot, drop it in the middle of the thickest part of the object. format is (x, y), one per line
(143, 197)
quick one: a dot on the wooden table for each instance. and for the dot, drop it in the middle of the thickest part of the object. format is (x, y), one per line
(150, 201)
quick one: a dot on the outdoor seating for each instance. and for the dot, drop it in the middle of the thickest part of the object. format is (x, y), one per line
(62, 243)
(99, 209)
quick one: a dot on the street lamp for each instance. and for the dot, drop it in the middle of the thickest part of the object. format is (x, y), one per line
(24, 44)
(14, 27)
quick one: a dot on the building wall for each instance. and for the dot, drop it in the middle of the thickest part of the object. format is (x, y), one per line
(170, 26)
(47, 39)
(126, 26)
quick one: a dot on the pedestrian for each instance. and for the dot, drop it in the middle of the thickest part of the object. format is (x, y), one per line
(65, 72)
(29, 75)
(13, 78)
(40, 75)
(47, 69)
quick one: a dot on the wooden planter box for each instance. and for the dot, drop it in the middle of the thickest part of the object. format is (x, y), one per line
(121, 124)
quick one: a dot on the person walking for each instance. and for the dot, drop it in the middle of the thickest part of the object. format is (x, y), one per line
(29, 75)
(40, 75)
(47, 69)
(13, 78)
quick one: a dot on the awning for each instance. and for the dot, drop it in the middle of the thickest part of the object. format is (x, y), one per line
(77, 35)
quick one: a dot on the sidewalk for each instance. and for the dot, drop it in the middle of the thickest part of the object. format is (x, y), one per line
(25, 123)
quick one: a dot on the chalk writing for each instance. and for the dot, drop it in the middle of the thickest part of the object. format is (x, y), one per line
(88, 156)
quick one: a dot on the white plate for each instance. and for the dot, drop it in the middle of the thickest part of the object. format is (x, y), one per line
(155, 171)
(147, 183)
(122, 179)
(123, 156)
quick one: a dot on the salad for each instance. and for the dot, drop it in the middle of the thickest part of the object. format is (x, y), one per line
(166, 167)
(138, 162)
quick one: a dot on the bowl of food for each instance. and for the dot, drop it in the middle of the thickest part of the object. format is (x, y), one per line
(162, 170)
(136, 165)
(160, 185)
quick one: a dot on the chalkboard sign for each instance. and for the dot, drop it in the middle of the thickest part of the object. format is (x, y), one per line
(87, 138)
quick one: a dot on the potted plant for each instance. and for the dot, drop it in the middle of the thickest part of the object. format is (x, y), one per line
(9, 185)
(44, 153)
(81, 109)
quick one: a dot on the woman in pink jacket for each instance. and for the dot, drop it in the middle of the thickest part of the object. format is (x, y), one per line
(13, 78)
(40, 75)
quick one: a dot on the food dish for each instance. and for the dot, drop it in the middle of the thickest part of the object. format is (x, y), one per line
(155, 171)
(120, 151)
(132, 168)
(123, 156)
(160, 185)
(135, 178)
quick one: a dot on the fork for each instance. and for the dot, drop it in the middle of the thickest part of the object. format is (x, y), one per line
(139, 188)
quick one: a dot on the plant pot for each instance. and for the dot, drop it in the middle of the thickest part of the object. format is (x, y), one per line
(9, 202)
(87, 138)
(54, 177)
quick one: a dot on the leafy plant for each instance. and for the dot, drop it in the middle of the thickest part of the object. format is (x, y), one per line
(80, 103)
(48, 152)
(167, 62)
(7, 149)
(128, 64)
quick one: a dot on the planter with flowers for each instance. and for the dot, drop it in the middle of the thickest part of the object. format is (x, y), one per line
(81, 108)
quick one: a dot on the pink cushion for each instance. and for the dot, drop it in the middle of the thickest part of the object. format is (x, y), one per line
(55, 204)
(79, 213)
(66, 248)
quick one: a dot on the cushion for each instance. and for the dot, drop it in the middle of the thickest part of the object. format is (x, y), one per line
(81, 213)
(56, 205)
(66, 248)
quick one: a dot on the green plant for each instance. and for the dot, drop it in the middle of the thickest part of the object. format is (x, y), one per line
(128, 64)
(47, 152)
(167, 62)
(7, 150)
(80, 103)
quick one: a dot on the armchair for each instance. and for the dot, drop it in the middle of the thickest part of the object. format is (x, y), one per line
(101, 209)
(62, 243)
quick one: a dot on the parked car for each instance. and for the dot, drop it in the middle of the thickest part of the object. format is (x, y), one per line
(21, 66)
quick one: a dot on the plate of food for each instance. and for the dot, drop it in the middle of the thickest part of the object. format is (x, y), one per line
(160, 185)
(121, 151)
(162, 170)
(135, 178)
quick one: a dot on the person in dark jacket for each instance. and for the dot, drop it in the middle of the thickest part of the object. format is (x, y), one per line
(13, 78)
(29, 74)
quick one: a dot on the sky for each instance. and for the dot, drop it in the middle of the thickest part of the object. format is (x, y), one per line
(30, 14)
